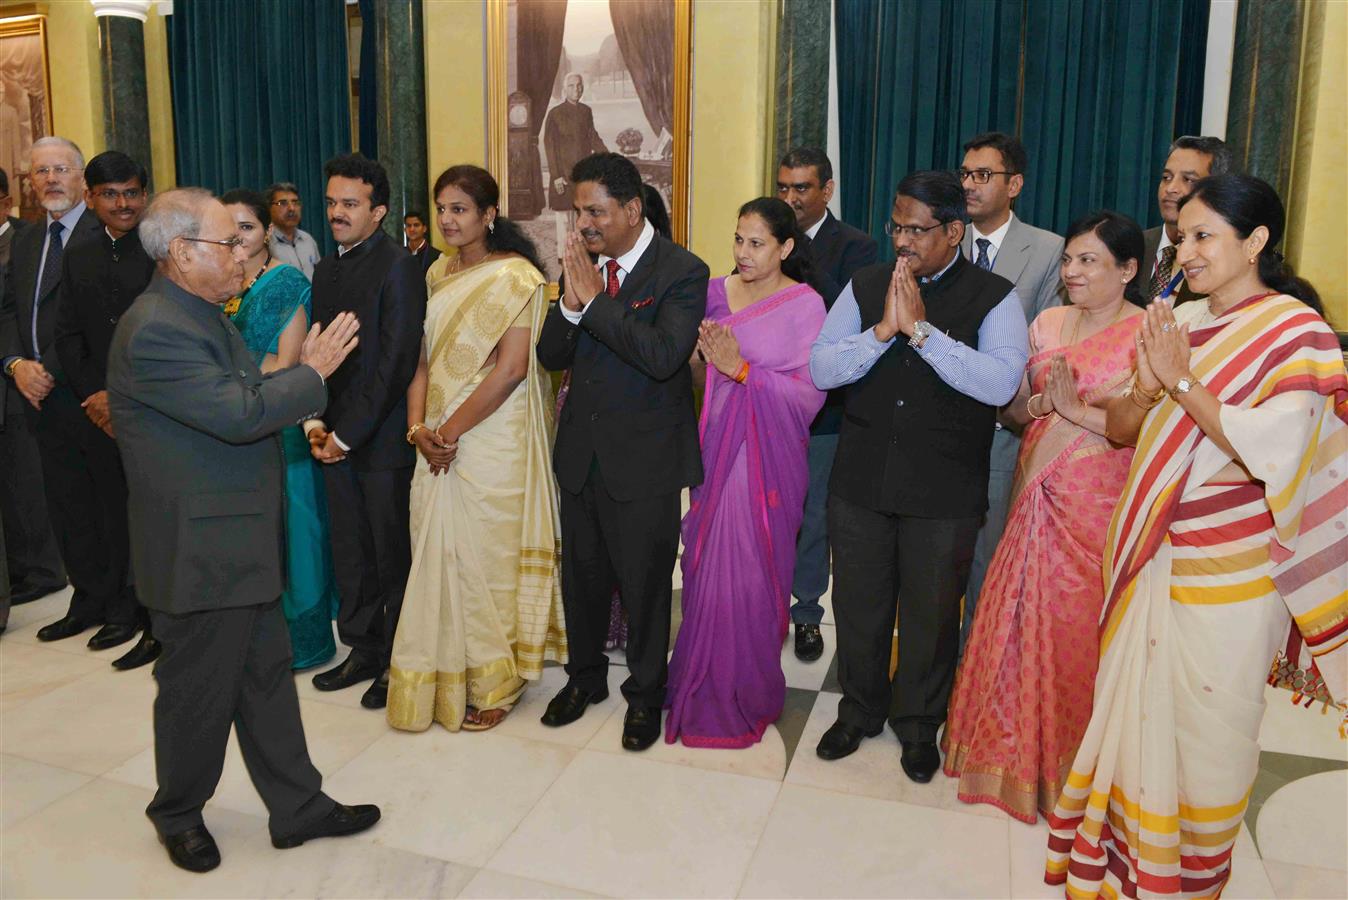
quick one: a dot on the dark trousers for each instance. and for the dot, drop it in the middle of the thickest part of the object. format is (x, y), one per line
(30, 547)
(368, 515)
(221, 668)
(86, 499)
(631, 544)
(883, 564)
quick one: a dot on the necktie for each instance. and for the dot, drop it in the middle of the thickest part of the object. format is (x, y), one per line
(611, 288)
(983, 262)
(51, 273)
(1164, 269)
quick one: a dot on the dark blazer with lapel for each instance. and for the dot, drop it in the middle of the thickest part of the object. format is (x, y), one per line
(838, 250)
(1151, 239)
(197, 425)
(6, 239)
(1029, 258)
(384, 286)
(426, 256)
(630, 404)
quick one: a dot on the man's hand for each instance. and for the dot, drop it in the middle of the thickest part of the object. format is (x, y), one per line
(330, 452)
(33, 381)
(325, 349)
(96, 408)
(583, 281)
(317, 437)
(903, 304)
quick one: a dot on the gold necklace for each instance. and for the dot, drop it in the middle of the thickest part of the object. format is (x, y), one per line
(1081, 314)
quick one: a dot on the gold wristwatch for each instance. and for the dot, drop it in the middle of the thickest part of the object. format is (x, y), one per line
(13, 364)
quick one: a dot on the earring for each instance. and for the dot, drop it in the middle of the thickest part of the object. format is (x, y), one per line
(1251, 260)
(491, 226)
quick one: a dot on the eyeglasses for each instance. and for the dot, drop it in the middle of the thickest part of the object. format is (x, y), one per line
(287, 202)
(59, 171)
(980, 176)
(231, 243)
(893, 228)
(111, 195)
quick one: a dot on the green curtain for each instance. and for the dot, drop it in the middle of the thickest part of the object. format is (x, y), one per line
(1265, 72)
(260, 94)
(1088, 85)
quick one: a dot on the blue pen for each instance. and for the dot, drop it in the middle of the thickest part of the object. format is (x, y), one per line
(1170, 288)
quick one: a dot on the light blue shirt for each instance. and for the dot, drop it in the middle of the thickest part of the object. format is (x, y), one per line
(843, 353)
(68, 220)
(302, 253)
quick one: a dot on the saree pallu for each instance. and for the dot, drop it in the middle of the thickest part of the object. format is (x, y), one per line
(1022, 696)
(310, 599)
(1202, 569)
(483, 606)
(725, 676)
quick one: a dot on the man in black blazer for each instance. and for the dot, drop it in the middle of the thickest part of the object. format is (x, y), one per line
(418, 243)
(805, 181)
(627, 439)
(198, 426)
(362, 439)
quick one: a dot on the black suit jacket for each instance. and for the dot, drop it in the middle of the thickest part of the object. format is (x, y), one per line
(838, 251)
(383, 285)
(1151, 242)
(630, 406)
(426, 256)
(15, 226)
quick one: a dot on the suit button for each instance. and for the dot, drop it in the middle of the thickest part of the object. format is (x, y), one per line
(112, 320)
(243, 374)
(594, 417)
(899, 403)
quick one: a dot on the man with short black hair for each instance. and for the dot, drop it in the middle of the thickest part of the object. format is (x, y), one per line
(805, 182)
(290, 243)
(1191, 159)
(928, 348)
(418, 243)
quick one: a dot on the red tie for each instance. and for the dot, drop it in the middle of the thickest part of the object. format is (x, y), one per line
(611, 288)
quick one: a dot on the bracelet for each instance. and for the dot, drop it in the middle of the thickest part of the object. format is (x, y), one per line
(743, 374)
(1031, 412)
(1143, 400)
(412, 432)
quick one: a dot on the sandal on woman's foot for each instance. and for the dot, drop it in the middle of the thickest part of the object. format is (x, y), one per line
(485, 719)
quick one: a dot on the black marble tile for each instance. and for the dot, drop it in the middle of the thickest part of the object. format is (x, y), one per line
(796, 712)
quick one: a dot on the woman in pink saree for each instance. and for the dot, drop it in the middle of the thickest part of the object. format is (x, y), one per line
(725, 678)
(1022, 695)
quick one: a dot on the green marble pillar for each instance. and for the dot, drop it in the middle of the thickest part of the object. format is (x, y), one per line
(801, 117)
(400, 91)
(126, 112)
(1265, 68)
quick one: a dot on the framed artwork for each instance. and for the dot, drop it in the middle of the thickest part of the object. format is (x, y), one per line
(567, 78)
(25, 103)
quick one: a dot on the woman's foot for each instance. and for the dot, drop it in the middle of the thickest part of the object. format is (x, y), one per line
(483, 719)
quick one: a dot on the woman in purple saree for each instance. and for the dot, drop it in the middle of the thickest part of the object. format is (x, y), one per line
(725, 678)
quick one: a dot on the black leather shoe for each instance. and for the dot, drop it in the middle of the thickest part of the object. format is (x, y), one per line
(376, 695)
(569, 705)
(341, 821)
(69, 626)
(809, 643)
(147, 650)
(193, 849)
(26, 593)
(920, 760)
(111, 635)
(641, 727)
(842, 740)
(357, 667)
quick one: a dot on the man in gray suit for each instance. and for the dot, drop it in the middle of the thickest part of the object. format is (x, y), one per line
(197, 424)
(993, 175)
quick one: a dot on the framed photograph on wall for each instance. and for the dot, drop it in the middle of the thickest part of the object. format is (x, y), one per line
(567, 78)
(25, 103)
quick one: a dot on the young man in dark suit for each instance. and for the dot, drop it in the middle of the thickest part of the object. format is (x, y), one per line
(805, 181)
(418, 243)
(627, 440)
(361, 440)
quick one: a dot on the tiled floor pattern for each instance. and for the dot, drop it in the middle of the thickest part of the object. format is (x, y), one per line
(527, 811)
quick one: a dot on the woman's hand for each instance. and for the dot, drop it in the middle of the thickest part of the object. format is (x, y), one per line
(1060, 392)
(439, 453)
(718, 347)
(1167, 348)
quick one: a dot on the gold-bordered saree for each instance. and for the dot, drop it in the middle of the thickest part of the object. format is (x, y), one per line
(482, 609)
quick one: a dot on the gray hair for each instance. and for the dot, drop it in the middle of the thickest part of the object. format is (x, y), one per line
(65, 143)
(1220, 158)
(172, 214)
(281, 187)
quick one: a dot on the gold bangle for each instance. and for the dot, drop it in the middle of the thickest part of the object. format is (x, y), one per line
(412, 432)
(1031, 412)
(1143, 400)
(742, 375)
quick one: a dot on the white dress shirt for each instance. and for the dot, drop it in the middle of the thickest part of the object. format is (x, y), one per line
(625, 264)
(814, 229)
(994, 240)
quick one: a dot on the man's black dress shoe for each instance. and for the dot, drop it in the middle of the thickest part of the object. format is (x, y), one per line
(357, 667)
(920, 760)
(641, 727)
(376, 695)
(193, 849)
(341, 821)
(112, 635)
(26, 593)
(809, 643)
(69, 626)
(569, 705)
(147, 650)
(842, 740)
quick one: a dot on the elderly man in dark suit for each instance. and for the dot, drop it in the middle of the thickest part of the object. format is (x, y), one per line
(805, 181)
(198, 425)
(627, 440)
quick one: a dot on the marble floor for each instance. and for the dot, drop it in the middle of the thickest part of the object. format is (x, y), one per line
(527, 811)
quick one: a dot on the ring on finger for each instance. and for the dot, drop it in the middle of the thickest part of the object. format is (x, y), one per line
(1168, 327)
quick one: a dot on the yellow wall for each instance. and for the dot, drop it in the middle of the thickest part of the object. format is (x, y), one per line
(165, 174)
(456, 112)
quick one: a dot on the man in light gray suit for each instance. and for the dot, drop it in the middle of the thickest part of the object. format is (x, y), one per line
(993, 175)
(197, 425)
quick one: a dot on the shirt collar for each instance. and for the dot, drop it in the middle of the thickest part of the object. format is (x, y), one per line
(814, 229)
(629, 259)
(281, 238)
(68, 219)
(995, 238)
(937, 277)
(5, 225)
(1165, 242)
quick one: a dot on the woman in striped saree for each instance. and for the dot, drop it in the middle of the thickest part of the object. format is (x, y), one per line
(1235, 513)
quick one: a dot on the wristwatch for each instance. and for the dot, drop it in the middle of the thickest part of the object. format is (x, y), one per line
(1183, 386)
(13, 364)
(921, 331)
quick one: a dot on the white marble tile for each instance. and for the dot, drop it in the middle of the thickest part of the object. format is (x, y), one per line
(1248, 881)
(27, 787)
(1029, 854)
(1289, 728)
(1306, 822)
(632, 827)
(488, 884)
(28, 671)
(872, 771)
(452, 796)
(335, 736)
(90, 725)
(1293, 882)
(766, 759)
(523, 721)
(874, 848)
(1244, 847)
(807, 675)
(29, 617)
(347, 697)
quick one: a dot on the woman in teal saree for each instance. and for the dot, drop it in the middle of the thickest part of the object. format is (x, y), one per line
(272, 316)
